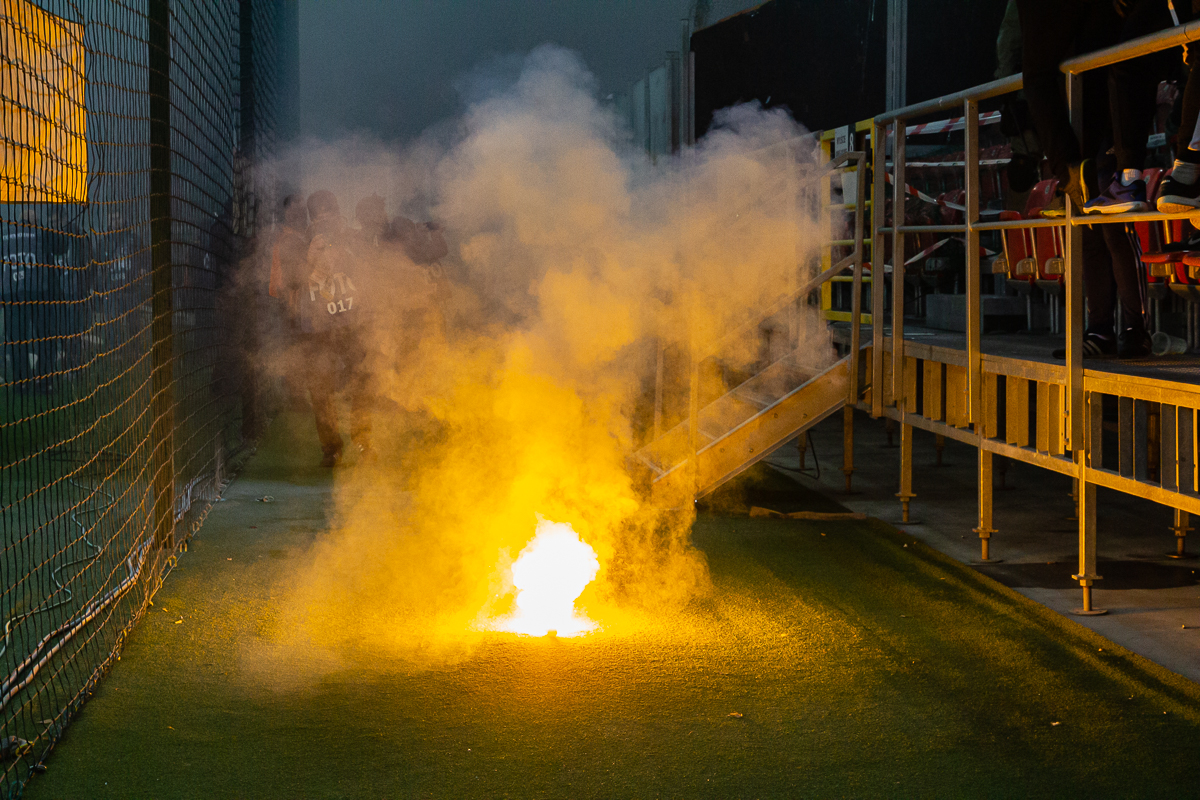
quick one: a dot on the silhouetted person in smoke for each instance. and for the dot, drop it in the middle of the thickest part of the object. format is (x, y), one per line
(422, 245)
(334, 315)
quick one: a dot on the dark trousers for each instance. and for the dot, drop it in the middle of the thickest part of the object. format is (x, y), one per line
(1110, 272)
(1120, 98)
(338, 361)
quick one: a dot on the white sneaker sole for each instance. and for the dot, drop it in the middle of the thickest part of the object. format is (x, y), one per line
(1119, 208)
(1174, 204)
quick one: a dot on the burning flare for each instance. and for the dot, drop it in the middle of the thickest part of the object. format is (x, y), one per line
(549, 574)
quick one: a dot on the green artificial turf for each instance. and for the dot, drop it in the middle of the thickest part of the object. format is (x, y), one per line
(862, 665)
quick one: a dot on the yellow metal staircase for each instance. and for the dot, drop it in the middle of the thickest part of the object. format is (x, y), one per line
(779, 402)
(745, 425)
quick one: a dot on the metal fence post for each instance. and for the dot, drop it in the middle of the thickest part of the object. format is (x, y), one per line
(162, 385)
(899, 135)
(1077, 404)
(974, 282)
(878, 279)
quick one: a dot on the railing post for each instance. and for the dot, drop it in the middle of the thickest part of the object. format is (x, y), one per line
(162, 455)
(855, 327)
(906, 493)
(878, 278)
(1077, 402)
(856, 290)
(974, 277)
(899, 140)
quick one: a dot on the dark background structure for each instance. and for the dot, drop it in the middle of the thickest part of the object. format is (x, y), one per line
(826, 62)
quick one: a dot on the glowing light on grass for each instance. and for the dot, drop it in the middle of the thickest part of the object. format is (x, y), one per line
(549, 575)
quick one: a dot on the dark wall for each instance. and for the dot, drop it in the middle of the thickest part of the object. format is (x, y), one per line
(825, 59)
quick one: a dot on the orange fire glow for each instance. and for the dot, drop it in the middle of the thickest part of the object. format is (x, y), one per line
(549, 575)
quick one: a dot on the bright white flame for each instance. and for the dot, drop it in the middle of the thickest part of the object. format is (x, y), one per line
(549, 575)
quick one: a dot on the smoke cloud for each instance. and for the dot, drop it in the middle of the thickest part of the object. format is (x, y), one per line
(524, 383)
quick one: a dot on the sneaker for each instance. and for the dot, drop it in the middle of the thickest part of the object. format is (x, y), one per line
(1081, 182)
(1057, 207)
(1095, 345)
(1120, 198)
(1133, 343)
(1176, 197)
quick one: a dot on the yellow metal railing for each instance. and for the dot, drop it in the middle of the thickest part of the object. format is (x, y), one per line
(1078, 417)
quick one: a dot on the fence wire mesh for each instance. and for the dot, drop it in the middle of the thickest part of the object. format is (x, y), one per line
(132, 135)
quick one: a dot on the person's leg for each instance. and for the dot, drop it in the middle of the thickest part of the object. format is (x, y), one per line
(1132, 84)
(360, 386)
(1180, 193)
(322, 384)
(1047, 33)
(1098, 283)
(1133, 340)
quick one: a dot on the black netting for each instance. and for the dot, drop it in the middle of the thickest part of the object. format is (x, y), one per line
(131, 134)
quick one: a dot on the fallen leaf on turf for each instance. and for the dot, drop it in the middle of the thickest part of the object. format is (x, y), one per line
(735, 714)
(1052, 724)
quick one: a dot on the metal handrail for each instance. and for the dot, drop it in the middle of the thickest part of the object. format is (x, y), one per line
(1143, 45)
(855, 259)
(1078, 412)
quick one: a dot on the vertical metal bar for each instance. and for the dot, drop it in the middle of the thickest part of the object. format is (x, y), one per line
(906, 442)
(985, 529)
(1087, 517)
(1181, 527)
(856, 292)
(974, 282)
(1125, 436)
(1141, 439)
(1073, 247)
(935, 388)
(855, 335)
(897, 54)
(1185, 456)
(898, 364)
(1168, 454)
(878, 278)
(989, 406)
(1016, 411)
(162, 457)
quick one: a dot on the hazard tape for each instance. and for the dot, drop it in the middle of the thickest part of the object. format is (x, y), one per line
(913, 191)
(983, 251)
(953, 124)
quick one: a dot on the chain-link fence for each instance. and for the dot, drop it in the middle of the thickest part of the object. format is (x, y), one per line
(132, 134)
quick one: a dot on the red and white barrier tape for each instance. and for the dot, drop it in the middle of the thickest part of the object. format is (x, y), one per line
(983, 251)
(913, 191)
(953, 124)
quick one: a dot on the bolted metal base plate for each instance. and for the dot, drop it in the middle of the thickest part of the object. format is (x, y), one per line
(1090, 612)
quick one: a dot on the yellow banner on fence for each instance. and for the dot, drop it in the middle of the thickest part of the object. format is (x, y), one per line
(44, 121)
